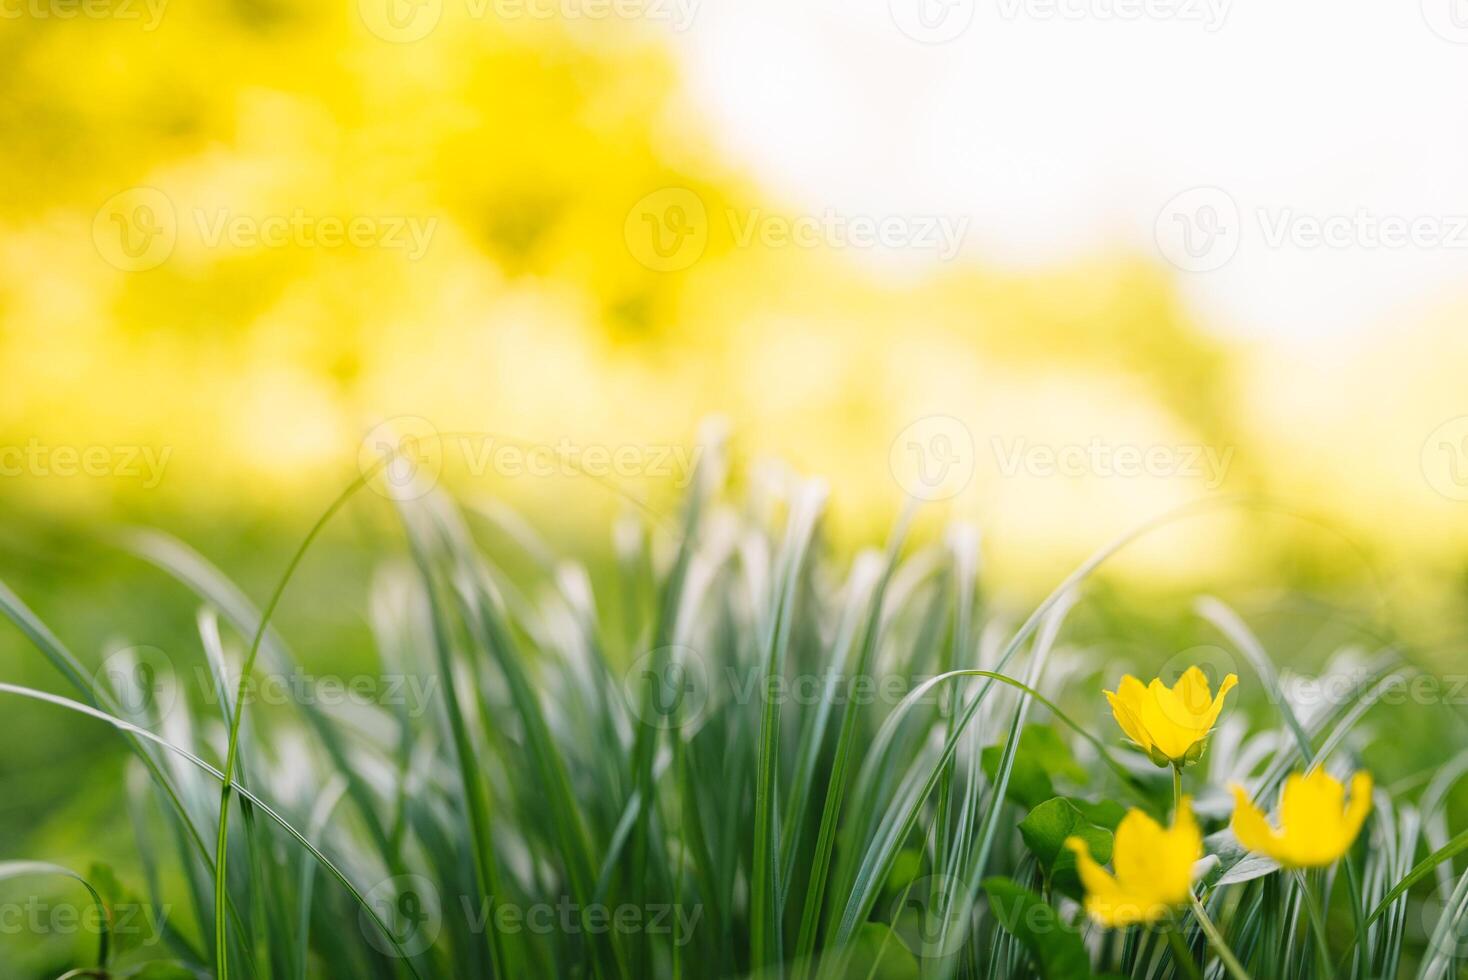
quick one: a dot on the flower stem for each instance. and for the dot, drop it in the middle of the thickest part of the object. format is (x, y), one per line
(1177, 790)
(1181, 954)
(1230, 962)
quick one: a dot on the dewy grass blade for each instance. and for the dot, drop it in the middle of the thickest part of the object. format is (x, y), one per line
(1444, 945)
(98, 698)
(765, 911)
(475, 792)
(1044, 642)
(193, 571)
(876, 862)
(300, 838)
(321, 812)
(860, 590)
(645, 742)
(486, 624)
(836, 781)
(1229, 623)
(949, 844)
(1458, 845)
(221, 847)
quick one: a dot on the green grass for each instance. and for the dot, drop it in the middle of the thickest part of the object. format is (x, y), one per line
(730, 757)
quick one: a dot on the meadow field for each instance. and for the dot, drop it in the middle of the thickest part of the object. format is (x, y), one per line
(661, 489)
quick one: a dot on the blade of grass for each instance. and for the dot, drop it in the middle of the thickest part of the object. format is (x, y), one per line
(221, 847)
(94, 696)
(845, 743)
(876, 861)
(218, 775)
(766, 951)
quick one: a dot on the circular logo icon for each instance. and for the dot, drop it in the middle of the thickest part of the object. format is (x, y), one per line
(1446, 932)
(1216, 663)
(932, 21)
(667, 687)
(401, 458)
(410, 910)
(668, 229)
(1447, 18)
(400, 21)
(933, 458)
(939, 931)
(1445, 459)
(1199, 229)
(136, 229)
(141, 680)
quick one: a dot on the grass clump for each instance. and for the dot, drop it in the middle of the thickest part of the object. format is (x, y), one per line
(732, 758)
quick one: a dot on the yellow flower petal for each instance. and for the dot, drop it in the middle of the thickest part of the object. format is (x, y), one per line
(1136, 841)
(1169, 722)
(1094, 878)
(1154, 867)
(1317, 825)
(1191, 690)
(1210, 718)
(1249, 824)
(1128, 721)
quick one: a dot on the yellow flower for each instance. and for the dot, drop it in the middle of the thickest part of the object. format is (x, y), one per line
(1171, 724)
(1154, 869)
(1317, 825)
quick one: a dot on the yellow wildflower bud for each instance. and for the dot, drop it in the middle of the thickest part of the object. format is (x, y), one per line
(1171, 724)
(1154, 869)
(1317, 825)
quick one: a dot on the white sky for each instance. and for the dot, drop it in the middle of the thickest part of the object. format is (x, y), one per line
(1064, 127)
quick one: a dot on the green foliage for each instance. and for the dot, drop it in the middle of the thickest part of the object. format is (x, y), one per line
(809, 836)
(1055, 948)
(1043, 756)
(1045, 830)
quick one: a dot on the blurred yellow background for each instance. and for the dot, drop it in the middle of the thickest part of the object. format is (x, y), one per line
(237, 236)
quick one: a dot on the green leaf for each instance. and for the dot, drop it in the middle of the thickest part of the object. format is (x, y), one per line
(1045, 831)
(880, 954)
(1055, 948)
(1042, 754)
(1104, 813)
(1052, 752)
